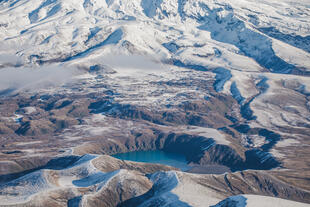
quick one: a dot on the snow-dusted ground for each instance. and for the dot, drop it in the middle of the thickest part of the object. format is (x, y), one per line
(160, 55)
(241, 35)
(256, 201)
(231, 34)
(82, 179)
(82, 173)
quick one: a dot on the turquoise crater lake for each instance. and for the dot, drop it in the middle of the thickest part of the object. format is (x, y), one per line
(156, 156)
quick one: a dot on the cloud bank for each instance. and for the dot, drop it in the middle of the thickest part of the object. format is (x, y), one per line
(26, 79)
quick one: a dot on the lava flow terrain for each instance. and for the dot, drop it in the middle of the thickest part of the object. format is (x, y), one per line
(225, 83)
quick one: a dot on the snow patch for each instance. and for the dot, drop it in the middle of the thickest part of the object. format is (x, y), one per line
(209, 133)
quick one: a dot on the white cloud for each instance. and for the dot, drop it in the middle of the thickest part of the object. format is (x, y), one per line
(22, 78)
(133, 63)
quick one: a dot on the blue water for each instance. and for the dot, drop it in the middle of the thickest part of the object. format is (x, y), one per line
(156, 156)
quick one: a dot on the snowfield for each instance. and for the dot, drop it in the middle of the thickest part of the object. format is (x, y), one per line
(225, 82)
(207, 33)
(255, 201)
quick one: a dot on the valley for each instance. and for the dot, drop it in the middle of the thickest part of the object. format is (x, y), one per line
(223, 84)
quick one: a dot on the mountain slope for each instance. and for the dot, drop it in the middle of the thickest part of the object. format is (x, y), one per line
(225, 83)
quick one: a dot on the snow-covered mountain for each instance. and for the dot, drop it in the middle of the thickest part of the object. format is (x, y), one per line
(239, 35)
(224, 82)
